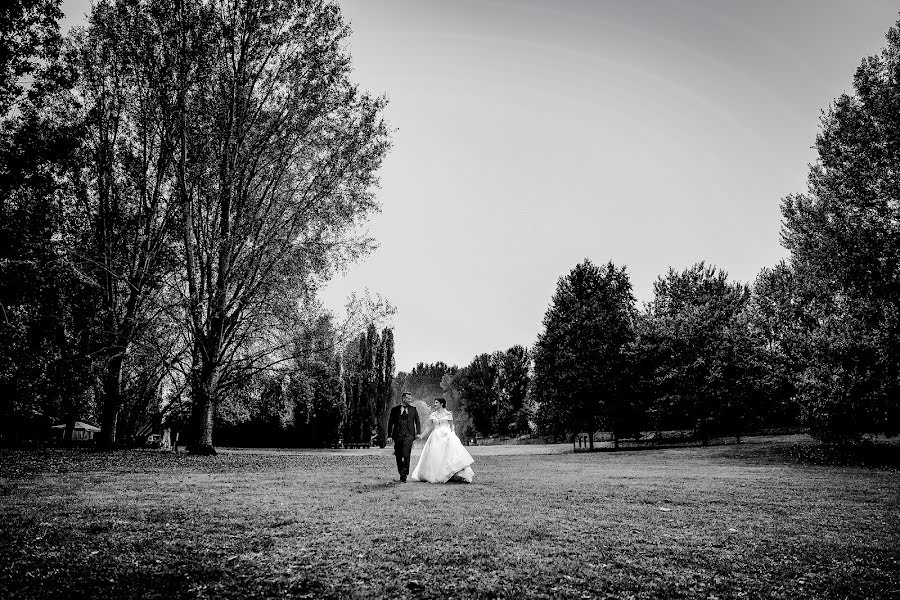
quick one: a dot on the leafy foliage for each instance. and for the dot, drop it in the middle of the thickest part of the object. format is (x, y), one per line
(29, 33)
(369, 367)
(179, 178)
(513, 383)
(776, 321)
(277, 165)
(477, 386)
(581, 354)
(424, 381)
(48, 307)
(843, 237)
(704, 369)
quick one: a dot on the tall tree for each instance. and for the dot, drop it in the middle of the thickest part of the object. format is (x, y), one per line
(451, 392)
(365, 362)
(513, 382)
(126, 186)
(277, 165)
(316, 383)
(777, 323)
(46, 306)
(580, 356)
(385, 366)
(370, 376)
(351, 358)
(478, 389)
(702, 368)
(843, 238)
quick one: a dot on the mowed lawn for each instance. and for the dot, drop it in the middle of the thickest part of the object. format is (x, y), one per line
(741, 521)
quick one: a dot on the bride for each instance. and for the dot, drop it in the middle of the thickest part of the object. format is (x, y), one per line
(443, 457)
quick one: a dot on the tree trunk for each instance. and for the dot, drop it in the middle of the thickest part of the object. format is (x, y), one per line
(70, 428)
(112, 400)
(591, 440)
(615, 439)
(203, 413)
(203, 445)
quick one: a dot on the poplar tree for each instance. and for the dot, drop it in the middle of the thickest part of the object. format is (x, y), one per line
(843, 235)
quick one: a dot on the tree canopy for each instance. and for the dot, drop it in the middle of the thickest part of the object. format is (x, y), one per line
(843, 235)
(579, 357)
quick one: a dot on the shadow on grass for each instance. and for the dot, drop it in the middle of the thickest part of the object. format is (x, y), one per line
(871, 454)
(867, 453)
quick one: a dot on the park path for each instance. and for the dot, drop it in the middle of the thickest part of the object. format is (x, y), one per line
(496, 450)
(488, 450)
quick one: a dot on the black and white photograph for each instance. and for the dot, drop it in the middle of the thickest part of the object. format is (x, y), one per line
(470, 299)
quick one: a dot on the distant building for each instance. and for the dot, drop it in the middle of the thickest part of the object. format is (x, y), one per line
(81, 432)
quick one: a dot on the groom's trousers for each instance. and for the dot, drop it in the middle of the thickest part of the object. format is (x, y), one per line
(402, 449)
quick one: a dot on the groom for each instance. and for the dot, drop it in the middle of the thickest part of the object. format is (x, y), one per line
(404, 428)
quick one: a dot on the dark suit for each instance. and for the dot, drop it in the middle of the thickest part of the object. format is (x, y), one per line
(404, 430)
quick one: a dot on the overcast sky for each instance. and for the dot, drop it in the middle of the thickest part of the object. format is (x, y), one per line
(530, 135)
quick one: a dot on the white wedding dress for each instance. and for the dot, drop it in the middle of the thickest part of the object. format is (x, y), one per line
(443, 457)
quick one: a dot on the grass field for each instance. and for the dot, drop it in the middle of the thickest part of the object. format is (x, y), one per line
(743, 521)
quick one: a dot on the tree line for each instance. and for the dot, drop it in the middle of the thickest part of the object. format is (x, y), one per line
(813, 341)
(489, 396)
(177, 179)
(327, 396)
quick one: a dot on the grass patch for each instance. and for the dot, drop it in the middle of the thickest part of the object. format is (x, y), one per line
(745, 521)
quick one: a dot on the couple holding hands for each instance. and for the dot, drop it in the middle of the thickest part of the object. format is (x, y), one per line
(443, 458)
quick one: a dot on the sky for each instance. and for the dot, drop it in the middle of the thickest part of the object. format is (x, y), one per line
(529, 135)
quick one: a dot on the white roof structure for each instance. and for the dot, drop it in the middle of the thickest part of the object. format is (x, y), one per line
(79, 426)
